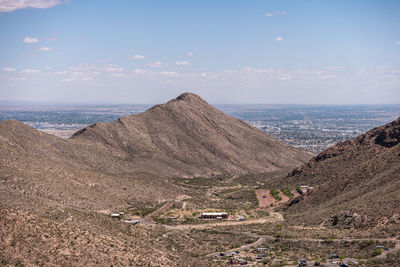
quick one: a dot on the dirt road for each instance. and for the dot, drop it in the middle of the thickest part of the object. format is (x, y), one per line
(276, 217)
(261, 239)
(165, 207)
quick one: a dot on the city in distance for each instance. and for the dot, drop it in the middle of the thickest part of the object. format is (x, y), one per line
(311, 127)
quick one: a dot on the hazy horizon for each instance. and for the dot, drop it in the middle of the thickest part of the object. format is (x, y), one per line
(38, 103)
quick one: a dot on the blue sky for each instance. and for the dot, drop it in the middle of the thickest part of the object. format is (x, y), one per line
(236, 51)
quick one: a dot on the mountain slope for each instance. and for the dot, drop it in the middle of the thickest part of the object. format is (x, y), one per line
(41, 172)
(56, 195)
(126, 163)
(355, 182)
(189, 137)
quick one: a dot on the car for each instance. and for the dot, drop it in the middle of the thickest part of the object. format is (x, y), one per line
(222, 254)
(342, 264)
(264, 196)
(302, 262)
(386, 249)
(334, 256)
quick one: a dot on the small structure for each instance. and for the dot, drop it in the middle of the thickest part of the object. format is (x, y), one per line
(214, 215)
(115, 216)
(306, 188)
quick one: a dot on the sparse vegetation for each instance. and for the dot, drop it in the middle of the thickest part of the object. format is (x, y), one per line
(377, 252)
(275, 194)
(287, 192)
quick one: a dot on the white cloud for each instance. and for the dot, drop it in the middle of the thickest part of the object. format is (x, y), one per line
(190, 54)
(77, 77)
(18, 79)
(156, 64)
(276, 13)
(169, 73)
(61, 72)
(278, 39)
(112, 68)
(182, 63)
(12, 5)
(30, 40)
(8, 69)
(137, 57)
(44, 48)
(398, 42)
(67, 80)
(140, 71)
(116, 75)
(30, 71)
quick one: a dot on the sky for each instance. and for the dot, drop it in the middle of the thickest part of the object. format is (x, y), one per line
(227, 51)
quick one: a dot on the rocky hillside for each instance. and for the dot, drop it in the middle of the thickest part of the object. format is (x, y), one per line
(56, 195)
(126, 163)
(356, 182)
(188, 137)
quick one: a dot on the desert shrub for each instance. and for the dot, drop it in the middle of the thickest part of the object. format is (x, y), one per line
(274, 192)
(287, 192)
(328, 241)
(377, 252)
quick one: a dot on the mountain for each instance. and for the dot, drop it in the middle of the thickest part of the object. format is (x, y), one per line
(189, 137)
(56, 195)
(126, 163)
(356, 183)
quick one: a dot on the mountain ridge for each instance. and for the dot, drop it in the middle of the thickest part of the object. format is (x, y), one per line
(357, 179)
(127, 162)
(189, 132)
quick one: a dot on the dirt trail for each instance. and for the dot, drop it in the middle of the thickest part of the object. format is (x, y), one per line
(235, 176)
(276, 218)
(261, 239)
(385, 252)
(265, 199)
(165, 207)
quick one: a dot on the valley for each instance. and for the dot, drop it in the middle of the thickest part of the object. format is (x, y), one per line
(183, 184)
